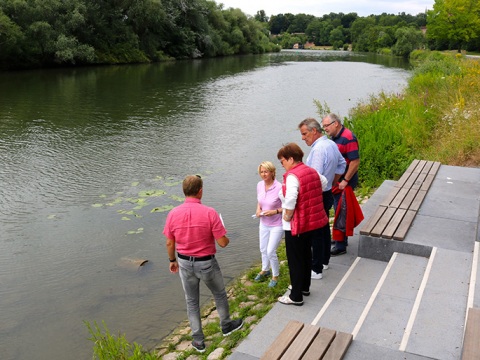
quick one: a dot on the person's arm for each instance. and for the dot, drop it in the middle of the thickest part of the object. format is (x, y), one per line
(259, 210)
(171, 255)
(291, 195)
(223, 241)
(352, 169)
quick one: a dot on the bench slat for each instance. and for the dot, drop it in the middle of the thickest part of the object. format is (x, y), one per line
(417, 201)
(411, 180)
(383, 222)
(393, 224)
(370, 224)
(407, 173)
(419, 181)
(420, 166)
(407, 201)
(405, 225)
(339, 346)
(399, 198)
(283, 341)
(391, 195)
(471, 345)
(320, 344)
(301, 343)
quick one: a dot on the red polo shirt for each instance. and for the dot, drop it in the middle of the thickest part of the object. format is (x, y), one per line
(194, 228)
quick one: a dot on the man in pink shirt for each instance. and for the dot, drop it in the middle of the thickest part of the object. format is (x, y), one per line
(192, 229)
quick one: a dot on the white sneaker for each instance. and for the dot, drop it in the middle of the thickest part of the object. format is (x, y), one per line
(316, 276)
(325, 267)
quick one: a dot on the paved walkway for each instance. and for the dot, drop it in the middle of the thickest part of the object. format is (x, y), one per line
(411, 306)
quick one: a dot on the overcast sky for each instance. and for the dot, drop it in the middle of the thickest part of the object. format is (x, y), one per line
(320, 7)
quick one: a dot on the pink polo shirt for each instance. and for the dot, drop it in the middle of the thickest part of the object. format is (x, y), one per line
(269, 200)
(194, 228)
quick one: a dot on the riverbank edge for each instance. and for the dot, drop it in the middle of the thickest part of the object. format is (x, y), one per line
(245, 301)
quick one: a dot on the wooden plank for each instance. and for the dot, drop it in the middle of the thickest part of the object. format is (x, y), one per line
(419, 181)
(301, 343)
(320, 344)
(407, 173)
(283, 340)
(393, 224)
(399, 198)
(411, 180)
(405, 225)
(435, 167)
(370, 224)
(383, 222)
(428, 181)
(427, 167)
(391, 195)
(420, 166)
(471, 345)
(407, 201)
(417, 201)
(339, 346)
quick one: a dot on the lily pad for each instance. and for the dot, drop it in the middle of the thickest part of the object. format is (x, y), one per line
(162, 209)
(97, 205)
(125, 218)
(177, 198)
(147, 193)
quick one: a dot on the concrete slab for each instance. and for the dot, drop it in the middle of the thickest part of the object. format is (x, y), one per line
(452, 234)
(438, 328)
(359, 350)
(394, 303)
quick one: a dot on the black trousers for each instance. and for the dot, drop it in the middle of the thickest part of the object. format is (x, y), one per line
(321, 245)
(299, 257)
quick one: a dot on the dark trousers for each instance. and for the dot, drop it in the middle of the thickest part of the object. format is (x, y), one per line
(299, 257)
(321, 244)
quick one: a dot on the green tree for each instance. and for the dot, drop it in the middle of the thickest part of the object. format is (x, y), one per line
(457, 21)
(408, 39)
(261, 16)
(337, 38)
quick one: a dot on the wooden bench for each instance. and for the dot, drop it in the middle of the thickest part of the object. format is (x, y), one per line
(308, 342)
(471, 343)
(397, 211)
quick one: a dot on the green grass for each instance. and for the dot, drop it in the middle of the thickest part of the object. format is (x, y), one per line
(435, 118)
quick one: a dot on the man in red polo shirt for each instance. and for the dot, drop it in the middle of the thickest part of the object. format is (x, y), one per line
(192, 230)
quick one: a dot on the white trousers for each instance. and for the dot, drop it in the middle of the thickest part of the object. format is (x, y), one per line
(270, 237)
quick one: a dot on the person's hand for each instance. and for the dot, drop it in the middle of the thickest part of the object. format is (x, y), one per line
(174, 267)
(342, 184)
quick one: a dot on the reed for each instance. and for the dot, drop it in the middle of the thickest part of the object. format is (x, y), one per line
(436, 117)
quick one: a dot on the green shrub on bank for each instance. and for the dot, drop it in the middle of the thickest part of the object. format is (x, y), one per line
(435, 118)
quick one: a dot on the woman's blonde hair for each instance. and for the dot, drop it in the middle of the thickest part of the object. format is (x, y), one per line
(268, 165)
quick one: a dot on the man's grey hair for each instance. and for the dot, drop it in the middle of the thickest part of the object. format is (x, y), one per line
(333, 117)
(311, 124)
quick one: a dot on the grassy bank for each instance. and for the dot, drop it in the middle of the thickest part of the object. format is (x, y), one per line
(435, 118)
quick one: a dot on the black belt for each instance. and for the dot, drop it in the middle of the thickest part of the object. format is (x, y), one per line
(193, 258)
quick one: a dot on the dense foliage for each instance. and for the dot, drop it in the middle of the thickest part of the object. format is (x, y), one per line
(436, 118)
(371, 33)
(36, 33)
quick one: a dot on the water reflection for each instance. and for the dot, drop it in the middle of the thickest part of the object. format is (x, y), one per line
(79, 148)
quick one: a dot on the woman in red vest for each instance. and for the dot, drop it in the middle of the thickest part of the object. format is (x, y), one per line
(303, 217)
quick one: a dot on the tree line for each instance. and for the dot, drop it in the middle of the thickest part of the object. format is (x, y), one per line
(40, 33)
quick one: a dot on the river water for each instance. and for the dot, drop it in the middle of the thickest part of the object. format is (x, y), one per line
(91, 160)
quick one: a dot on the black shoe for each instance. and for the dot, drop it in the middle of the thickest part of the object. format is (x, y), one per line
(336, 252)
(199, 346)
(233, 326)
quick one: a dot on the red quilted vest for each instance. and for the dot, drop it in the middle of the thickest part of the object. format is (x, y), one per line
(309, 213)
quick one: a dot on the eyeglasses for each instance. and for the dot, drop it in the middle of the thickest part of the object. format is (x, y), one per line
(327, 125)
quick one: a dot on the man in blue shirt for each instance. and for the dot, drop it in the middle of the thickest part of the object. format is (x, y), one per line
(326, 158)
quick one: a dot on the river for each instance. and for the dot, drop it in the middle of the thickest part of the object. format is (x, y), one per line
(91, 159)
